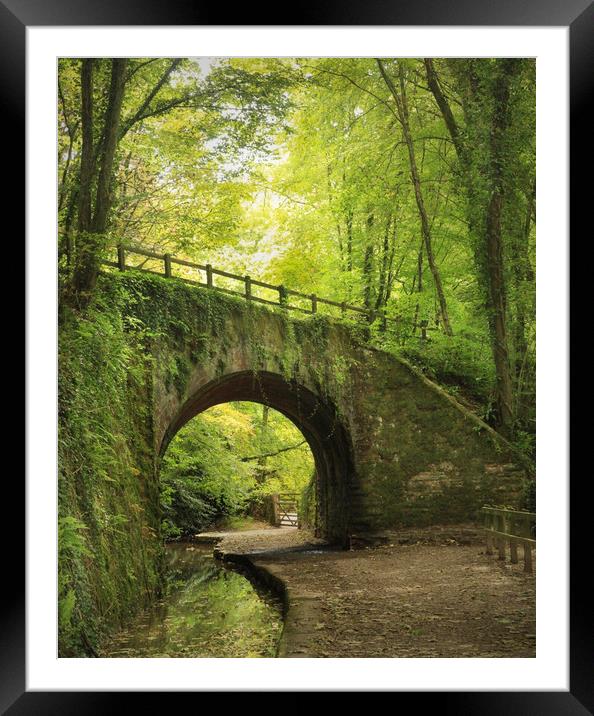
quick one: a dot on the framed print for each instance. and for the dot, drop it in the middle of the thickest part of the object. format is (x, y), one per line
(356, 368)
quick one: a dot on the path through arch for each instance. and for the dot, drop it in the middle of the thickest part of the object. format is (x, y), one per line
(317, 420)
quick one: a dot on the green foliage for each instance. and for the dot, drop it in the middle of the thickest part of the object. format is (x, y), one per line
(71, 548)
(225, 461)
(308, 505)
(529, 496)
(109, 554)
(187, 129)
(460, 363)
(295, 171)
(525, 441)
(202, 477)
(186, 510)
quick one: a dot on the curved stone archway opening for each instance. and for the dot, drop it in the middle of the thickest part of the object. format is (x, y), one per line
(315, 418)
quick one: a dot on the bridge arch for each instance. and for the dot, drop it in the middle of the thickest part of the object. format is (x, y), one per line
(391, 448)
(316, 418)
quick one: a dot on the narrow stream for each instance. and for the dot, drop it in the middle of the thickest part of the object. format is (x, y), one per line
(208, 611)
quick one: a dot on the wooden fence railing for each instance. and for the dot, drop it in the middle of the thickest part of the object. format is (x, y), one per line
(209, 273)
(514, 526)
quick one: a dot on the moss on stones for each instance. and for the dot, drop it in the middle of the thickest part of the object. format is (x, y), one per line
(411, 455)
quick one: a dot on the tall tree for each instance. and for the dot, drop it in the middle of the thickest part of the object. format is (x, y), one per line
(401, 102)
(92, 223)
(122, 105)
(487, 154)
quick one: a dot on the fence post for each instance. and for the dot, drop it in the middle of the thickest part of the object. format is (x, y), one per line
(248, 287)
(501, 540)
(314, 303)
(343, 309)
(509, 526)
(527, 557)
(209, 275)
(121, 258)
(488, 536)
(514, 529)
(167, 261)
(513, 550)
(282, 296)
(276, 510)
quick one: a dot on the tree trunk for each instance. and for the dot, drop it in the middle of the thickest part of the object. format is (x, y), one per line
(109, 144)
(264, 432)
(390, 275)
(91, 242)
(444, 106)
(402, 107)
(494, 246)
(262, 472)
(489, 246)
(419, 278)
(522, 274)
(349, 233)
(382, 289)
(86, 157)
(67, 227)
(368, 265)
(497, 319)
(97, 162)
(338, 226)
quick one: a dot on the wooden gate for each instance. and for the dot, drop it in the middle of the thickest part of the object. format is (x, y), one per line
(288, 507)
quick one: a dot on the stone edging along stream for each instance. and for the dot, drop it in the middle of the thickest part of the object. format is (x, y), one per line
(300, 611)
(266, 577)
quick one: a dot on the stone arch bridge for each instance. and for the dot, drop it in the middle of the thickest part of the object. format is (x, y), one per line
(391, 448)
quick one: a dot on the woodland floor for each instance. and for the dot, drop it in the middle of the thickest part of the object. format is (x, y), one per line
(429, 597)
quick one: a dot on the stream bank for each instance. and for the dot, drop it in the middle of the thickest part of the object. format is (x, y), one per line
(208, 611)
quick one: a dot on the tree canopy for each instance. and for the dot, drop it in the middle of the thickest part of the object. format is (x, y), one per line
(399, 185)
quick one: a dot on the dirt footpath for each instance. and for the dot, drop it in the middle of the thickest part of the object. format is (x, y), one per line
(398, 600)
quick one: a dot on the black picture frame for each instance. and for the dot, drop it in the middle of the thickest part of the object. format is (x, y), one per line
(578, 15)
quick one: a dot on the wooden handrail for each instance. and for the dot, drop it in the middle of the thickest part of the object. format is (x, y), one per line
(500, 525)
(248, 283)
(505, 511)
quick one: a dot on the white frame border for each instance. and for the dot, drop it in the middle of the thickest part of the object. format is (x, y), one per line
(550, 669)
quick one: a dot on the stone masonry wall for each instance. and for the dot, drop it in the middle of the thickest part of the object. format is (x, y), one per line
(415, 456)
